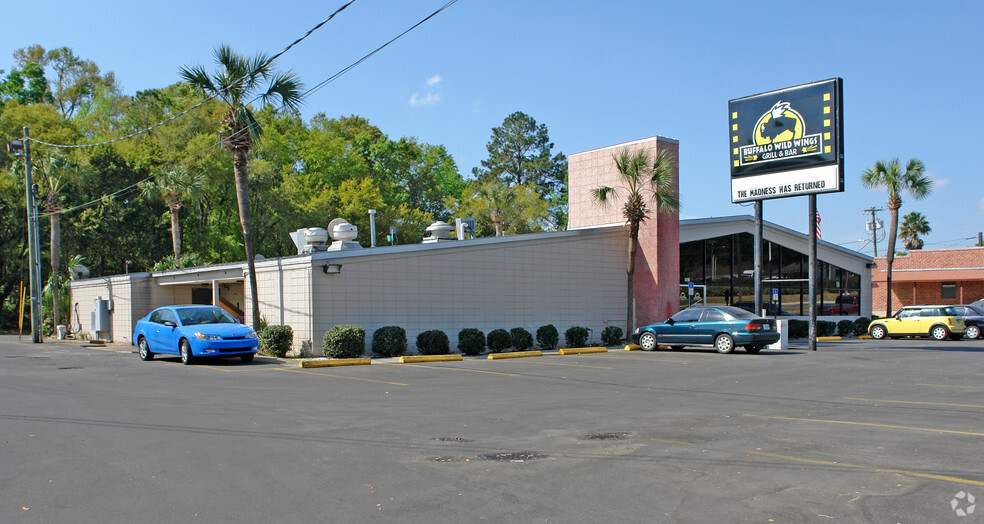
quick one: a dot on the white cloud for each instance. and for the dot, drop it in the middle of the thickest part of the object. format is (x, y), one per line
(980, 206)
(426, 100)
(940, 183)
(432, 97)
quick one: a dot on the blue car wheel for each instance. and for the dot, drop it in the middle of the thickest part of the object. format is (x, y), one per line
(144, 349)
(187, 358)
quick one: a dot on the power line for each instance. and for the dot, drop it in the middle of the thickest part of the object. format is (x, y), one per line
(220, 142)
(203, 102)
(378, 49)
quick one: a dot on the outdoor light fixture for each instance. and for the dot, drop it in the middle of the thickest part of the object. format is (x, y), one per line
(331, 269)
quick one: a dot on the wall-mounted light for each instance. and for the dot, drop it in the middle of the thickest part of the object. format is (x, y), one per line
(331, 269)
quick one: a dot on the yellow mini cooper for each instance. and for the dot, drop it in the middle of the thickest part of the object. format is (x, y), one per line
(939, 322)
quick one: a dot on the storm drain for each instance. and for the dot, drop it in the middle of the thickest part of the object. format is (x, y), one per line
(518, 456)
(451, 439)
(606, 436)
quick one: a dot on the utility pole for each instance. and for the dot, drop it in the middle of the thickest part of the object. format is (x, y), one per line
(874, 226)
(23, 147)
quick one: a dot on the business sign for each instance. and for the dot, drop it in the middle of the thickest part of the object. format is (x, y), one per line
(787, 142)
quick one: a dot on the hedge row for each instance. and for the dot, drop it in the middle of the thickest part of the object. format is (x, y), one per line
(826, 328)
(391, 341)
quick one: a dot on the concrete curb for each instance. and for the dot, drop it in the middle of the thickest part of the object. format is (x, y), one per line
(865, 337)
(408, 359)
(578, 351)
(633, 347)
(515, 354)
(828, 339)
(332, 362)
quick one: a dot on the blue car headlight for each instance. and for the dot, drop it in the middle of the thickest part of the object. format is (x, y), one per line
(205, 336)
(251, 334)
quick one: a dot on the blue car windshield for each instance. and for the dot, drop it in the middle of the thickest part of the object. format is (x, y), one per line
(204, 315)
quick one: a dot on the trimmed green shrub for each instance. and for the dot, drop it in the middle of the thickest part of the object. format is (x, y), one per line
(276, 340)
(345, 342)
(861, 325)
(576, 337)
(799, 328)
(611, 336)
(825, 328)
(498, 340)
(433, 342)
(471, 341)
(547, 337)
(845, 328)
(389, 341)
(521, 339)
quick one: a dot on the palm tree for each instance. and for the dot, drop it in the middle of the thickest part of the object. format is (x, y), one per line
(236, 84)
(890, 176)
(499, 198)
(174, 186)
(913, 225)
(51, 201)
(643, 183)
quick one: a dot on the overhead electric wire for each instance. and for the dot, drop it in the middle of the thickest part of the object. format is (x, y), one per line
(306, 93)
(203, 102)
(373, 52)
(137, 184)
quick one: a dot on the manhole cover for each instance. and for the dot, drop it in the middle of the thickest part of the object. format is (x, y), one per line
(517, 456)
(451, 439)
(448, 460)
(606, 436)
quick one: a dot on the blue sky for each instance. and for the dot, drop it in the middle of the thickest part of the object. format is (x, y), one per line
(597, 74)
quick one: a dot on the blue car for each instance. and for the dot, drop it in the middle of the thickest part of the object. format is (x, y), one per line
(722, 327)
(192, 332)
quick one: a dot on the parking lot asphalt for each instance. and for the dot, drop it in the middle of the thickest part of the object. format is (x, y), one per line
(859, 431)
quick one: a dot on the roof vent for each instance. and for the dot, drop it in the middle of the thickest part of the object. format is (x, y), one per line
(343, 233)
(439, 231)
(310, 239)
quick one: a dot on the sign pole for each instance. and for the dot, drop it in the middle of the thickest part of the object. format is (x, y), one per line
(813, 272)
(758, 257)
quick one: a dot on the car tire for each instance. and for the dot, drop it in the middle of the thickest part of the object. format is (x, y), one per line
(939, 333)
(143, 349)
(973, 332)
(187, 357)
(247, 358)
(647, 341)
(878, 332)
(724, 343)
(753, 349)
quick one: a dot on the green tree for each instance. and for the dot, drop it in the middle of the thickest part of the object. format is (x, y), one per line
(892, 177)
(176, 186)
(913, 225)
(499, 199)
(236, 83)
(644, 182)
(520, 152)
(54, 171)
(27, 86)
(74, 81)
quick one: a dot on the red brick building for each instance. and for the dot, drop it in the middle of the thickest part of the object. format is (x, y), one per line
(929, 276)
